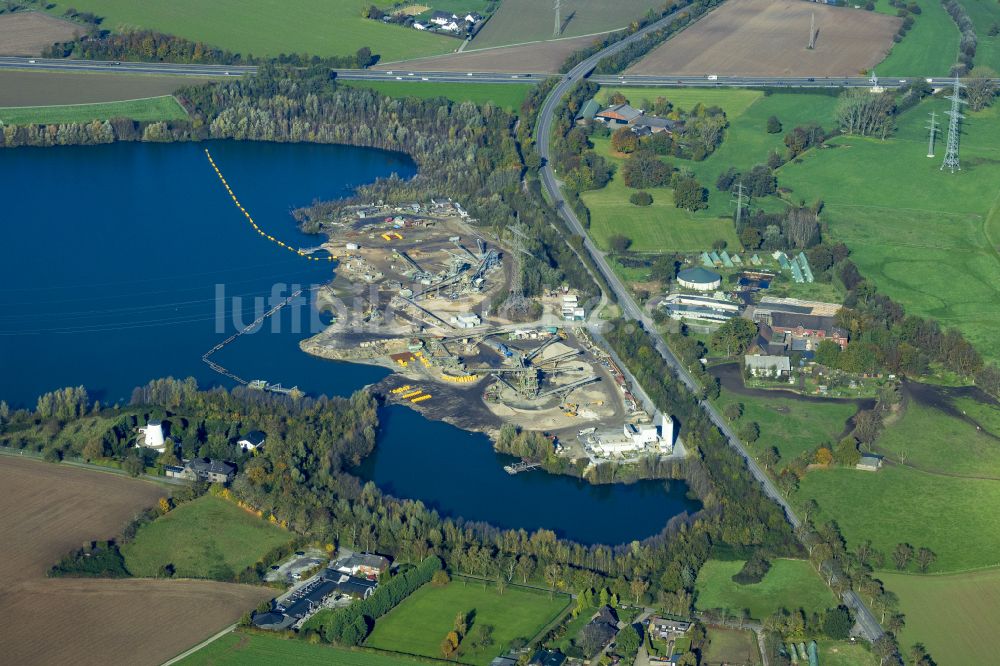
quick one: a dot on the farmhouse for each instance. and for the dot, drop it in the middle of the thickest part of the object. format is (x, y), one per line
(252, 440)
(203, 469)
(767, 366)
(661, 627)
(655, 125)
(366, 565)
(699, 279)
(618, 114)
(547, 658)
(587, 112)
(601, 629)
(804, 320)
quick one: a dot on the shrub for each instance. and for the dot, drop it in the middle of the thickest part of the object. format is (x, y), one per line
(773, 125)
(619, 244)
(440, 578)
(641, 199)
(754, 570)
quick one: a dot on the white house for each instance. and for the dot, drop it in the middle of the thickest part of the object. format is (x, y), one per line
(417, 25)
(252, 440)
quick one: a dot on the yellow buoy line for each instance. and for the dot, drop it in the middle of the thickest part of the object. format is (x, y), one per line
(260, 231)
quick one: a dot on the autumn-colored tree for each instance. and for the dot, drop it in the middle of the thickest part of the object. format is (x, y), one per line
(624, 140)
(823, 456)
(449, 646)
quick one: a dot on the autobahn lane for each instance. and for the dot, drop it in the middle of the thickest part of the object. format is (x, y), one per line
(631, 310)
(422, 76)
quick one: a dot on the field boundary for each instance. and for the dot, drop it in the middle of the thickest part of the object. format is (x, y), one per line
(191, 650)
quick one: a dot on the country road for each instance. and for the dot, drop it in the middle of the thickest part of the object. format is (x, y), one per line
(631, 310)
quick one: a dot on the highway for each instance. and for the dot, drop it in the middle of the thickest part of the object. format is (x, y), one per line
(630, 309)
(418, 76)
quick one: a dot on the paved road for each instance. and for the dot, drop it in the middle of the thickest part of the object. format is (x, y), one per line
(631, 310)
(418, 76)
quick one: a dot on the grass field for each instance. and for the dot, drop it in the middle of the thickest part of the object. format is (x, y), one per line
(418, 625)
(916, 231)
(152, 108)
(984, 14)
(933, 441)
(207, 538)
(664, 228)
(507, 96)
(930, 48)
(239, 649)
(954, 517)
(792, 426)
(955, 616)
(790, 584)
(729, 646)
(269, 27)
(842, 653)
(518, 21)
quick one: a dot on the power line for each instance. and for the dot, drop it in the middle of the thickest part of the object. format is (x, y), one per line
(933, 131)
(951, 153)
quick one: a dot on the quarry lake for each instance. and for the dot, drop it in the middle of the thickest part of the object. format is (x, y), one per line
(113, 259)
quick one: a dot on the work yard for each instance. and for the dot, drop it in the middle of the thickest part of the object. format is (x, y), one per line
(418, 625)
(519, 21)
(954, 615)
(207, 538)
(269, 27)
(28, 33)
(770, 38)
(730, 646)
(47, 510)
(790, 584)
(24, 88)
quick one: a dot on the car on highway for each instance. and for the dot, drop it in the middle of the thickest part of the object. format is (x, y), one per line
(469, 74)
(389, 73)
(31, 62)
(399, 78)
(410, 74)
(274, 567)
(300, 553)
(713, 77)
(424, 78)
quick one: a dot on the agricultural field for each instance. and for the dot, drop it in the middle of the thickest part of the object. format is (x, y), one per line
(519, 21)
(24, 88)
(662, 227)
(29, 33)
(207, 538)
(792, 426)
(790, 584)
(769, 38)
(269, 27)
(917, 232)
(45, 511)
(237, 649)
(930, 440)
(952, 516)
(152, 108)
(418, 625)
(953, 615)
(537, 57)
(507, 96)
(730, 646)
(930, 48)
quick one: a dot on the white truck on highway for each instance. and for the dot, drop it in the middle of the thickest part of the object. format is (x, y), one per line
(713, 77)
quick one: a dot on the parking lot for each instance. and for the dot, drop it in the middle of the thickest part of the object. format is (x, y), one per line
(292, 569)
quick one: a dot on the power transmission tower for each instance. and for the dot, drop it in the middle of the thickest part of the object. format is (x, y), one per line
(555, 31)
(955, 114)
(516, 303)
(739, 204)
(812, 32)
(933, 132)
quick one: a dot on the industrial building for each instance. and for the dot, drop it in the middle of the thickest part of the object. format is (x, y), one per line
(700, 308)
(635, 439)
(699, 279)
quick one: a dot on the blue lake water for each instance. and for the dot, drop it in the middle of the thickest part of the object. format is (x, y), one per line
(112, 260)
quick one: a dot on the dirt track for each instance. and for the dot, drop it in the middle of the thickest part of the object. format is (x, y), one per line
(769, 38)
(542, 57)
(27, 33)
(47, 509)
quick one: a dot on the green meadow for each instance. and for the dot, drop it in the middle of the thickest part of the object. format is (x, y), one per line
(269, 27)
(930, 48)
(985, 14)
(665, 228)
(206, 538)
(927, 238)
(151, 108)
(419, 623)
(508, 96)
(953, 615)
(790, 584)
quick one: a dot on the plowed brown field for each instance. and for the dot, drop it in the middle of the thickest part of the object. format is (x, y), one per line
(48, 509)
(27, 33)
(769, 38)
